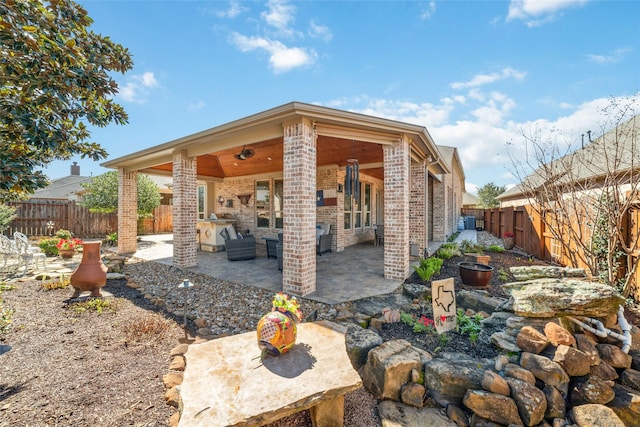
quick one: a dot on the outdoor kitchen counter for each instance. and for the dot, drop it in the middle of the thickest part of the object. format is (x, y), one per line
(226, 383)
(209, 233)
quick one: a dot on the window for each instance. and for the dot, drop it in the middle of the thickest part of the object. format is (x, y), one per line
(357, 207)
(263, 209)
(366, 209)
(201, 201)
(278, 201)
(347, 213)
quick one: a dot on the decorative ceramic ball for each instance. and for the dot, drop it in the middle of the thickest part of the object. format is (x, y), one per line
(276, 332)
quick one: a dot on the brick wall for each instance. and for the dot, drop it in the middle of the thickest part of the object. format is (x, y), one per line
(185, 210)
(439, 212)
(396, 214)
(127, 211)
(299, 248)
(417, 207)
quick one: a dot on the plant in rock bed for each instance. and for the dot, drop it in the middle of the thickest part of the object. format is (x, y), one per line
(448, 250)
(419, 324)
(67, 244)
(469, 325)
(467, 246)
(428, 267)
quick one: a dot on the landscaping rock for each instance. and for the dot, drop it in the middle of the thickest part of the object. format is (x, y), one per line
(492, 406)
(575, 362)
(359, 342)
(554, 297)
(373, 306)
(556, 405)
(531, 340)
(614, 356)
(590, 389)
(525, 273)
(494, 383)
(588, 346)
(412, 394)
(604, 371)
(505, 341)
(478, 301)
(544, 369)
(395, 414)
(457, 415)
(389, 367)
(631, 378)
(416, 290)
(530, 400)
(626, 405)
(557, 335)
(514, 371)
(594, 415)
(454, 377)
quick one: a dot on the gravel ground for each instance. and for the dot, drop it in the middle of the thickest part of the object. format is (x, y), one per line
(72, 368)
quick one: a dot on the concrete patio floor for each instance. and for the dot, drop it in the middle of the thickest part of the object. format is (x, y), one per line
(350, 275)
(355, 273)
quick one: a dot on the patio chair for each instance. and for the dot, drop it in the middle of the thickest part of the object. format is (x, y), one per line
(28, 254)
(379, 237)
(323, 238)
(279, 250)
(240, 249)
(8, 249)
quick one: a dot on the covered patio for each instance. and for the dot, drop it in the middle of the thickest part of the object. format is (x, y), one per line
(289, 169)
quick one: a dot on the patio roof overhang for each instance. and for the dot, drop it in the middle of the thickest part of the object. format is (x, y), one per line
(341, 135)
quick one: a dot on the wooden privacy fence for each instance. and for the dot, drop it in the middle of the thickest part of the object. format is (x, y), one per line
(43, 217)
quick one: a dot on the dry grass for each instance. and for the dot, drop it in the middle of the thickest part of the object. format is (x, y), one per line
(147, 328)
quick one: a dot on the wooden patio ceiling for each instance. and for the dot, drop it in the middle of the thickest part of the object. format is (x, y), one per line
(268, 158)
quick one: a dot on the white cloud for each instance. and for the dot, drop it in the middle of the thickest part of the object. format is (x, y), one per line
(483, 79)
(428, 10)
(235, 8)
(281, 57)
(613, 57)
(488, 142)
(138, 87)
(536, 12)
(319, 31)
(279, 15)
(194, 106)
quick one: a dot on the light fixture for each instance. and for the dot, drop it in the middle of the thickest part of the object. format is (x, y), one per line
(245, 154)
(220, 200)
(244, 199)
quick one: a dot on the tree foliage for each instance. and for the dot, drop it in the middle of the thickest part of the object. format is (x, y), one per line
(7, 214)
(102, 194)
(587, 197)
(488, 193)
(55, 79)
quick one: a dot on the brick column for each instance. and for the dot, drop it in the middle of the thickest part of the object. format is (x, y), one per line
(418, 206)
(127, 211)
(185, 210)
(439, 212)
(299, 234)
(396, 210)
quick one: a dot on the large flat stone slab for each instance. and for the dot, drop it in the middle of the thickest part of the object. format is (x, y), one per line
(227, 384)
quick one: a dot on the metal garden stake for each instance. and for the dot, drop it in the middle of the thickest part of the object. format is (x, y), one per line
(186, 284)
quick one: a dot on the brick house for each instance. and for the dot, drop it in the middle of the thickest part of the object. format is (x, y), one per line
(284, 169)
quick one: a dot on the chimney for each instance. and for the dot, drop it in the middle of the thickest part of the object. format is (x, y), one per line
(75, 169)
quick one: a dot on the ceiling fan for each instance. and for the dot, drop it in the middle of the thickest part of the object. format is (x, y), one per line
(244, 154)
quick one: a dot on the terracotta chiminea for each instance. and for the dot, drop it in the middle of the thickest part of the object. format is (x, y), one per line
(91, 274)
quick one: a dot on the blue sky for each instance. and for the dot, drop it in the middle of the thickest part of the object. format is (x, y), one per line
(477, 74)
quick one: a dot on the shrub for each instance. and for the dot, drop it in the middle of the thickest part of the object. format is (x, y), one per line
(448, 250)
(150, 328)
(63, 234)
(428, 267)
(469, 247)
(495, 248)
(48, 245)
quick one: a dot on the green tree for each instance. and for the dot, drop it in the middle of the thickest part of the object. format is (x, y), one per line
(7, 214)
(55, 79)
(102, 194)
(488, 193)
